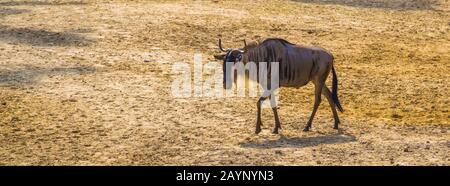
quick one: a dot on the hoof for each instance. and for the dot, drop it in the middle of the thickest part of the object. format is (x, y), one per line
(336, 127)
(258, 130)
(275, 132)
(306, 129)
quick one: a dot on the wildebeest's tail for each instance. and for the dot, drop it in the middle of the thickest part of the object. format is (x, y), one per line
(334, 94)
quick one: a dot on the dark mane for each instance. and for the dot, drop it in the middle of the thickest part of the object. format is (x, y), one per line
(277, 40)
(270, 50)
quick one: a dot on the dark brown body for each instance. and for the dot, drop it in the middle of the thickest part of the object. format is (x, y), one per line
(297, 64)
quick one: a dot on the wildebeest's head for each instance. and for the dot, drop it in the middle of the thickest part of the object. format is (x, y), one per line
(230, 57)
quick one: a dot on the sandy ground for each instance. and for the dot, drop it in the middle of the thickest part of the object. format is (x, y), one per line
(89, 83)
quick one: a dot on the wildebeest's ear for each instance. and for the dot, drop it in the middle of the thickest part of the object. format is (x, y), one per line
(219, 57)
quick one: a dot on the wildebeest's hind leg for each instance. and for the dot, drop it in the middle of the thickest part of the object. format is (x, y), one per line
(317, 99)
(327, 93)
(258, 116)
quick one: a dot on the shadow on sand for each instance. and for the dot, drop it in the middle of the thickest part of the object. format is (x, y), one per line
(40, 37)
(35, 2)
(384, 4)
(9, 11)
(31, 75)
(300, 142)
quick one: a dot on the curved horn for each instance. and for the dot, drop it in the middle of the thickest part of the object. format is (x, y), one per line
(245, 44)
(220, 46)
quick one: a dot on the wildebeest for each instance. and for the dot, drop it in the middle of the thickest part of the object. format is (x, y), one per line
(298, 65)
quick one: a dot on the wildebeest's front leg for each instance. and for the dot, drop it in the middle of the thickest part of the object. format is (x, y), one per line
(258, 116)
(275, 114)
(277, 120)
(265, 95)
